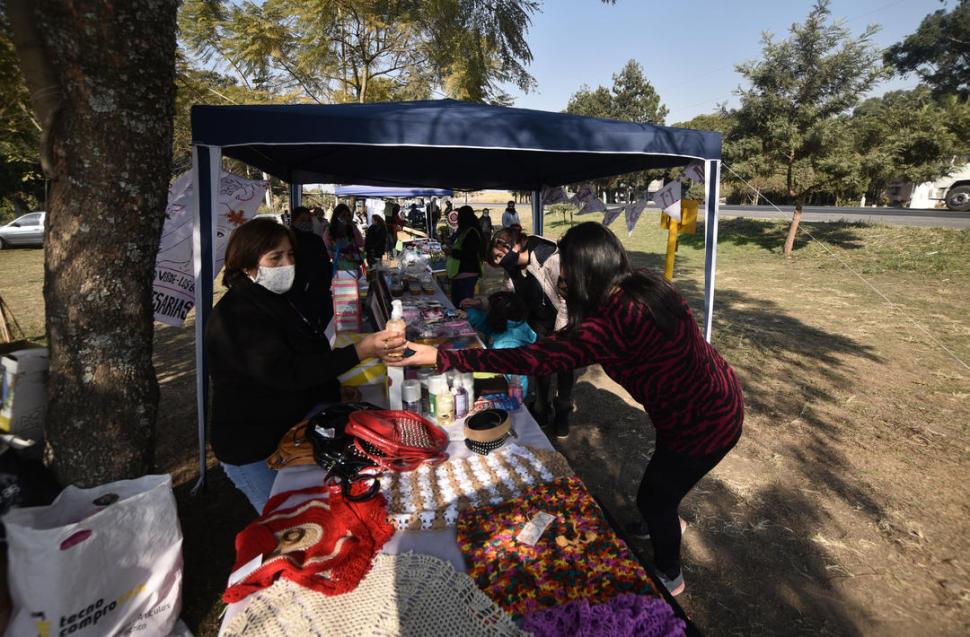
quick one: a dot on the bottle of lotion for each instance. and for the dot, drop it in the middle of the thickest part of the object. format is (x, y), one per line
(396, 325)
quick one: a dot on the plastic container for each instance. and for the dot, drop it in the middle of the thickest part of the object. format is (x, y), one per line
(444, 405)
(461, 400)
(411, 396)
(397, 326)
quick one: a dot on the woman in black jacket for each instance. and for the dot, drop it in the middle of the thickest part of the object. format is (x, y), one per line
(465, 256)
(269, 364)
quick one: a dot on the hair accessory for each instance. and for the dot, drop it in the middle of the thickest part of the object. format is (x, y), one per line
(487, 430)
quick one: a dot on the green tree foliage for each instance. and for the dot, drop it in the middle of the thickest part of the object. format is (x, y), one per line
(632, 98)
(938, 52)
(21, 181)
(905, 135)
(789, 122)
(366, 50)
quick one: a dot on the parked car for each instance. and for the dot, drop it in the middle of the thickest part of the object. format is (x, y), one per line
(27, 230)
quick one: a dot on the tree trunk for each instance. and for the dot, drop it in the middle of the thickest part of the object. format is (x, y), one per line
(110, 67)
(793, 229)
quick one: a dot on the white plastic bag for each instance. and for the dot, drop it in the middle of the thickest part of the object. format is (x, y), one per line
(101, 561)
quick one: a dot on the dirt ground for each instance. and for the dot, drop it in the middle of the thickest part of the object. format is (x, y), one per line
(844, 508)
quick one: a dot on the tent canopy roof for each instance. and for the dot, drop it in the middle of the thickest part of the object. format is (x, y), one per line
(441, 143)
(390, 191)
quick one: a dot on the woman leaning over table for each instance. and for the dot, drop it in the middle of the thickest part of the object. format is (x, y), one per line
(269, 363)
(641, 331)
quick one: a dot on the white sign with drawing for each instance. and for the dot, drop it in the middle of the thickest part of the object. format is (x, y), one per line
(173, 293)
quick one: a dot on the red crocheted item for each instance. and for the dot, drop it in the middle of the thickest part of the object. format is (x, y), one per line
(324, 544)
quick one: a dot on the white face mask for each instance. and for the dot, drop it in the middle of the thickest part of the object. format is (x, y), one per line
(277, 280)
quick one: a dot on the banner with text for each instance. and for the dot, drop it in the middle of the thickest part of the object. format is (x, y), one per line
(174, 284)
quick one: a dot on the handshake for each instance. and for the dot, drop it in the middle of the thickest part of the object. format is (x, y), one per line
(391, 347)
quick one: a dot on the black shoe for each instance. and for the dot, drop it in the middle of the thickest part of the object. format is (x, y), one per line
(562, 420)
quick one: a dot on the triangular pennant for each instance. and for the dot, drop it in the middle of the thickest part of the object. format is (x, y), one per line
(610, 215)
(668, 199)
(694, 171)
(632, 212)
(554, 194)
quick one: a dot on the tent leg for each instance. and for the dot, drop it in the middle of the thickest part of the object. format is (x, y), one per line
(206, 171)
(712, 194)
(537, 212)
(296, 196)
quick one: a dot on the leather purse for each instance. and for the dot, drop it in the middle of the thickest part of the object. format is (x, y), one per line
(397, 440)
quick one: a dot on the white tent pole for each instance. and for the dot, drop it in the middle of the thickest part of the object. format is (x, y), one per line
(712, 195)
(537, 212)
(206, 169)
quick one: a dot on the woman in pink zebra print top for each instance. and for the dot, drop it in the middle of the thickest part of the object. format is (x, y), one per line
(639, 329)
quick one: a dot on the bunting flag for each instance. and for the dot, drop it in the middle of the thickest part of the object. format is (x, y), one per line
(632, 211)
(693, 171)
(173, 291)
(668, 199)
(552, 195)
(610, 215)
(587, 200)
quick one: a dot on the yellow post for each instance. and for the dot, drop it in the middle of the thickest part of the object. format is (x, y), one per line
(672, 229)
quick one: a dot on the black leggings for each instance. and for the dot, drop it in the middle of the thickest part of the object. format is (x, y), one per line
(564, 389)
(668, 478)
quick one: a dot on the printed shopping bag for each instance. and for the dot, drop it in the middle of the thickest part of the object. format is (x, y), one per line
(100, 561)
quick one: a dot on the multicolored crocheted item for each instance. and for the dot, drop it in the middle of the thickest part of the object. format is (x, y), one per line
(431, 497)
(577, 556)
(626, 615)
(404, 595)
(325, 544)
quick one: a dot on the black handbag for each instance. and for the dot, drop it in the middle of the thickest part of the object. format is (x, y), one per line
(335, 452)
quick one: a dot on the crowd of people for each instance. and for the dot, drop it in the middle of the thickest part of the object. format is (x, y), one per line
(567, 305)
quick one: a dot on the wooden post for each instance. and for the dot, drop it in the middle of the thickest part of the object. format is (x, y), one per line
(793, 229)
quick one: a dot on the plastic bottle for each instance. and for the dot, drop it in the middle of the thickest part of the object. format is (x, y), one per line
(411, 396)
(424, 376)
(397, 326)
(461, 399)
(434, 388)
(515, 388)
(444, 405)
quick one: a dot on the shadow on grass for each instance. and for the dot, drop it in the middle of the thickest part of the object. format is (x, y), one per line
(770, 235)
(761, 540)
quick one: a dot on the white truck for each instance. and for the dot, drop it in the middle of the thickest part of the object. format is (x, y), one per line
(952, 191)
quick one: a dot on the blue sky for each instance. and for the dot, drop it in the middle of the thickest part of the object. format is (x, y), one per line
(688, 49)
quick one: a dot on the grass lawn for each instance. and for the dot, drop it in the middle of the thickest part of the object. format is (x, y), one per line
(844, 508)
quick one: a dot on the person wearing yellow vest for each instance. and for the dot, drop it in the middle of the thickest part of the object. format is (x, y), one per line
(464, 264)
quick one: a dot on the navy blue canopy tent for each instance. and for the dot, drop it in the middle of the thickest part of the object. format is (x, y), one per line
(437, 144)
(390, 191)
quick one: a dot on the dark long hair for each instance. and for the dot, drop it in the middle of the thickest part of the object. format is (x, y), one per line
(341, 223)
(595, 263)
(504, 307)
(466, 219)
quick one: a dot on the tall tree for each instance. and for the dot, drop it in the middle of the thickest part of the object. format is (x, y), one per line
(905, 135)
(939, 51)
(363, 50)
(21, 181)
(631, 98)
(102, 81)
(795, 95)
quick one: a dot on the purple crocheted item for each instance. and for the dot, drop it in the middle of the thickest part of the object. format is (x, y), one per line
(625, 615)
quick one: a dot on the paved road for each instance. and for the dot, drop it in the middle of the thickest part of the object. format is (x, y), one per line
(889, 216)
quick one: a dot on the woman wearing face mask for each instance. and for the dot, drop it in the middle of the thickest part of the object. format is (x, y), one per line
(641, 331)
(343, 239)
(269, 364)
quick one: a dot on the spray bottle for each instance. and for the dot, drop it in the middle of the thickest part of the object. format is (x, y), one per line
(396, 325)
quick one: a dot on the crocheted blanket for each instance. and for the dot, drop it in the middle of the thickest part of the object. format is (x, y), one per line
(577, 556)
(326, 545)
(408, 595)
(432, 497)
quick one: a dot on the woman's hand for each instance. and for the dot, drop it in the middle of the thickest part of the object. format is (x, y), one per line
(423, 355)
(380, 344)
